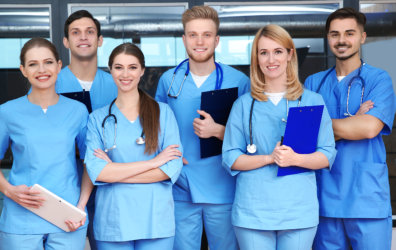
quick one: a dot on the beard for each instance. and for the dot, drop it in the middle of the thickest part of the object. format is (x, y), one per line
(200, 59)
(344, 58)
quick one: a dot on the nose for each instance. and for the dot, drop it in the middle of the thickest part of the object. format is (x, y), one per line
(83, 36)
(125, 72)
(271, 57)
(199, 40)
(41, 67)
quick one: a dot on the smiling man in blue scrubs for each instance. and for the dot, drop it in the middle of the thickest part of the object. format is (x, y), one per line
(354, 195)
(204, 192)
(83, 37)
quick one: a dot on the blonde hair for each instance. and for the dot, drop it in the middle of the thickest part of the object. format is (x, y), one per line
(257, 79)
(201, 12)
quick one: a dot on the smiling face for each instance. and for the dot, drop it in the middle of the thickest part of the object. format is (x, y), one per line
(273, 59)
(41, 68)
(345, 38)
(126, 71)
(200, 39)
(83, 40)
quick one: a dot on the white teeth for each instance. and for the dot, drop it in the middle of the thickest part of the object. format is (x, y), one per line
(83, 46)
(272, 67)
(43, 77)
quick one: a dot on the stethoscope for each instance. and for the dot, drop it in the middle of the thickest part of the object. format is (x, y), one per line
(219, 77)
(251, 147)
(347, 113)
(139, 141)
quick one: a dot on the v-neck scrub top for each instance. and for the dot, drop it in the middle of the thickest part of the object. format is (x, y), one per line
(131, 211)
(43, 147)
(264, 201)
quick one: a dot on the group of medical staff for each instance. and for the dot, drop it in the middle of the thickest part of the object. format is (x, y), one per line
(153, 189)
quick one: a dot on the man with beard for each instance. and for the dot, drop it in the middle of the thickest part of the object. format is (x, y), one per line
(83, 37)
(204, 192)
(355, 209)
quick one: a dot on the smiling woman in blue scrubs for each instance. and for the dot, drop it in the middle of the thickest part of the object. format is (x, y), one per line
(43, 129)
(271, 212)
(134, 203)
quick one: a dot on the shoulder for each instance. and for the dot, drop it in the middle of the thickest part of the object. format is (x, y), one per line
(167, 75)
(13, 105)
(373, 73)
(164, 108)
(243, 100)
(103, 73)
(100, 112)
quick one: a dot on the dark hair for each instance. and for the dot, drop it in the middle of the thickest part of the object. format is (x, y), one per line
(149, 112)
(37, 42)
(78, 15)
(344, 13)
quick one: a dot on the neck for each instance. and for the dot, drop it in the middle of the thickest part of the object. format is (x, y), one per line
(128, 100)
(344, 68)
(84, 70)
(202, 68)
(276, 85)
(43, 97)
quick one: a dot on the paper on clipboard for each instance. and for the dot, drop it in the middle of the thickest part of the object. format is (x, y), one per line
(55, 209)
(218, 104)
(301, 134)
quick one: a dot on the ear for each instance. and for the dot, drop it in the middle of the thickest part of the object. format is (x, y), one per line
(59, 66)
(22, 69)
(142, 72)
(66, 43)
(184, 40)
(290, 55)
(217, 40)
(100, 41)
(364, 36)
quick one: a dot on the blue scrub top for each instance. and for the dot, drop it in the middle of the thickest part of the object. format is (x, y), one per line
(102, 92)
(357, 186)
(43, 146)
(124, 211)
(202, 180)
(263, 200)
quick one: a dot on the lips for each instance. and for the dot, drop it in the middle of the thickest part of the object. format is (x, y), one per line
(200, 50)
(272, 67)
(83, 46)
(43, 78)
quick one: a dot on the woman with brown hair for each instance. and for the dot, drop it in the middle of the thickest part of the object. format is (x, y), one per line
(133, 156)
(271, 212)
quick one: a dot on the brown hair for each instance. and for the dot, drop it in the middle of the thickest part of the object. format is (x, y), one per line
(37, 42)
(344, 13)
(257, 79)
(201, 12)
(149, 112)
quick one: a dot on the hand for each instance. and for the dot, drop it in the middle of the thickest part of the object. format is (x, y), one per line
(185, 162)
(73, 226)
(102, 155)
(169, 153)
(207, 127)
(365, 107)
(284, 156)
(24, 196)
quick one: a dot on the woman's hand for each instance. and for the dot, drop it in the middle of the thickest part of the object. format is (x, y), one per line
(73, 226)
(284, 156)
(169, 153)
(102, 155)
(24, 196)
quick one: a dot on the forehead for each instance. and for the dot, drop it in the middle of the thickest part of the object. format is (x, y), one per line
(200, 25)
(38, 53)
(341, 25)
(125, 59)
(82, 23)
(268, 43)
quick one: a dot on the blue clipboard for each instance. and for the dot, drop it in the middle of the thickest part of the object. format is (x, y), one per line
(301, 134)
(81, 96)
(218, 104)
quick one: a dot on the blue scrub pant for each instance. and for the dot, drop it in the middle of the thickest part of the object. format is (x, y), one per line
(295, 239)
(340, 234)
(190, 217)
(52, 241)
(148, 244)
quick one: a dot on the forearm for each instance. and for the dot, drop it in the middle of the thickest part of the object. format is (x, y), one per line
(312, 161)
(151, 176)
(220, 129)
(116, 172)
(4, 184)
(86, 189)
(357, 127)
(250, 162)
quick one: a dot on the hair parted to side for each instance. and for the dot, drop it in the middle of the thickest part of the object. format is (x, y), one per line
(78, 15)
(201, 12)
(344, 13)
(37, 42)
(149, 111)
(257, 79)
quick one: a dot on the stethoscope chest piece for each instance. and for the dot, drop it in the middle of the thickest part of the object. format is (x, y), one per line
(140, 140)
(251, 148)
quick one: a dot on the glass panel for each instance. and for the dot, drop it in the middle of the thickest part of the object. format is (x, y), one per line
(377, 7)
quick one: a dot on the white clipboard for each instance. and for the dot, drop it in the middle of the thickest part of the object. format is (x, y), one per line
(55, 209)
